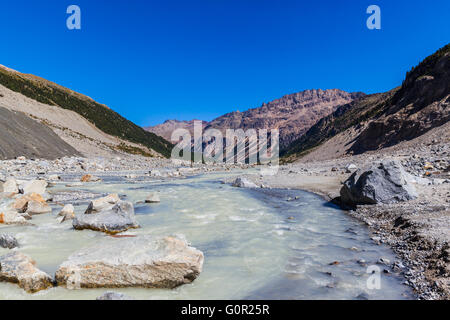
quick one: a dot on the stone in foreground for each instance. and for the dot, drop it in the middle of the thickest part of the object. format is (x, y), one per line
(244, 183)
(8, 241)
(117, 219)
(114, 296)
(18, 268)
(146, 261)
(385, 183)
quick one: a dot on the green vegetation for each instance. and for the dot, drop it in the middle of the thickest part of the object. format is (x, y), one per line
(101, 116)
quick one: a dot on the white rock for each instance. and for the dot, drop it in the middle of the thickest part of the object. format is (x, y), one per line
(153, 198)
(144, 261)
(35, 186)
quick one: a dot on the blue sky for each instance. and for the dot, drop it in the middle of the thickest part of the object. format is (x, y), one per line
(157, 60)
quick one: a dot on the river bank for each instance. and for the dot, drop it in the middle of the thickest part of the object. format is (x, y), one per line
(417, 230)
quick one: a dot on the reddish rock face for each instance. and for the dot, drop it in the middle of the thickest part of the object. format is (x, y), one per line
(292, 114)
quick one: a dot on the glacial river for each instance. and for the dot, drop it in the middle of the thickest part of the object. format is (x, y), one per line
(258, 244)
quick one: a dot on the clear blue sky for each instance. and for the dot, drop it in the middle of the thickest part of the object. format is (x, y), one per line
(157, 60)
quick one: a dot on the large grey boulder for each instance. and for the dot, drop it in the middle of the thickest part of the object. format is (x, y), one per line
(244, 183)
(8, 241)
(144, 261)
(16, 267)
(117, 219)
(386, 182)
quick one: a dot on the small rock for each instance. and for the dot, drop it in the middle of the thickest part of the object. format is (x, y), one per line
(153, 198)
(90, 178)
(103, 203)
(114, 296)
(8, 241)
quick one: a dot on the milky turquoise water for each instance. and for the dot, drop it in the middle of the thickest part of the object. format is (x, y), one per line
(257, 245)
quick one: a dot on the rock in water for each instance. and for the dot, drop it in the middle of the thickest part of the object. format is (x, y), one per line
(18, 268)
(102, 204)
(244, 183)
(145, 261)
(153, 198)
(68, 209)
(35, 186)
(68, 213)
(37, 207)
(90, 178)
(21, 204)
(8, 241)
(9, 217)
(117, 219)
(114, 296)
(386, 182)
(10, 186)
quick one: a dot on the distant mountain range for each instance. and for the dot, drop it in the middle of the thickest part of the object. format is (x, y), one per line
(42, 119)
(385, 119)
(333, 123)
(292, 114)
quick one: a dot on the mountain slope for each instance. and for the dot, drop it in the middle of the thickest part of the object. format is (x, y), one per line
(33, 139)
(99, 115)
(383, 120)
(292, 114)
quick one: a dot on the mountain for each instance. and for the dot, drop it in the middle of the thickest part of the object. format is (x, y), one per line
(292, 114)
(33, 139)
(386, 119)
(79, 117)
(166, 129)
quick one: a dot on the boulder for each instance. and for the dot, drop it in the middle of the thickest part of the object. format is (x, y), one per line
(54, 177)
(18, 268)
(114, 296)
(244, 183)
(386, 182)
(102, 204)
(36, 207)
(117, 219)
(10, 186)
(35, 186)
(9, 217)
(145, 261)
(21, 203)
(8, 241)
(68, 213)
(68, 209)
(90, 178)
(153, 198)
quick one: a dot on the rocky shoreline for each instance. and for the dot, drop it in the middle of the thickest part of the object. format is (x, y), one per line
(418, 230)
